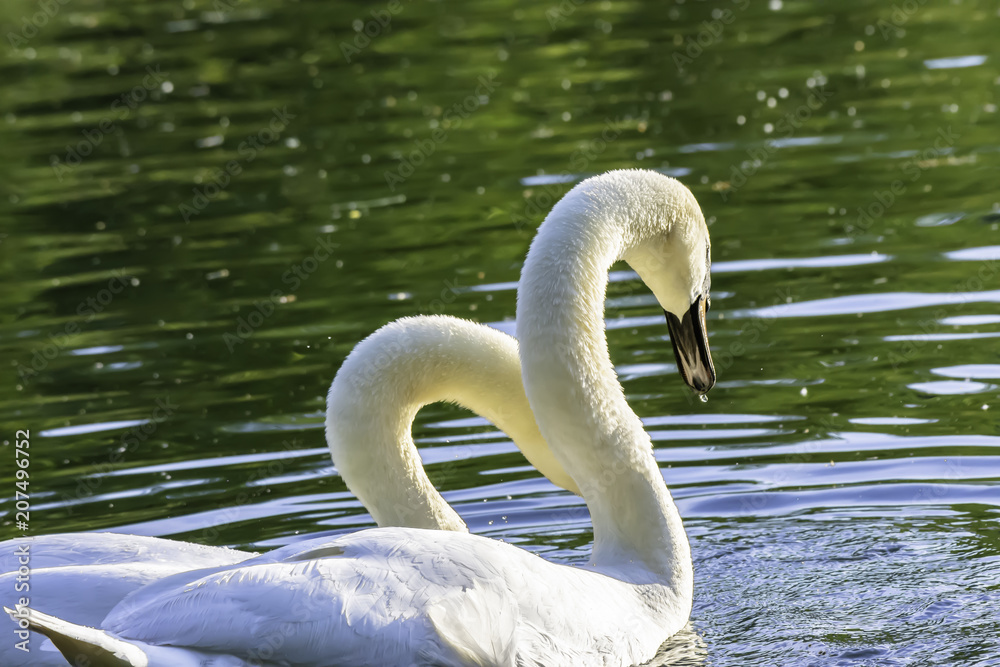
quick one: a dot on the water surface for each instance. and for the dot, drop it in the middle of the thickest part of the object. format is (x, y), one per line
(205, 206)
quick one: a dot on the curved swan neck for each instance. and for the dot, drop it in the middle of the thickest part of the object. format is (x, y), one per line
(570, 380)
(397, 370)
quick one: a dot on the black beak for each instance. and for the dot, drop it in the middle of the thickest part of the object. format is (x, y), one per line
(690, 340)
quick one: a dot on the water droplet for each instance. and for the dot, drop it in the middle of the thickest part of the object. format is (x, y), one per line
(703, 398)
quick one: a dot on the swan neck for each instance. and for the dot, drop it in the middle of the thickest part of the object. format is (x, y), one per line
(387, 379)
(575, 394)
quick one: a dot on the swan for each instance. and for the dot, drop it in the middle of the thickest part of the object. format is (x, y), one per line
(412, 596)
(372, 403)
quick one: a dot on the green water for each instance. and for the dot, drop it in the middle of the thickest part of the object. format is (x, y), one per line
(205, 205)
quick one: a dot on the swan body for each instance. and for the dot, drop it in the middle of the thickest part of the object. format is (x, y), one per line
(373, 400)
(392, 596)
(407, 596)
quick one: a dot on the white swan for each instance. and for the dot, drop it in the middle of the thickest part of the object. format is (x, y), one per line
(373, 400)
(396, 596)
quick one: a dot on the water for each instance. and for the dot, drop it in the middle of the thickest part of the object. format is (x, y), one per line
(206, 206)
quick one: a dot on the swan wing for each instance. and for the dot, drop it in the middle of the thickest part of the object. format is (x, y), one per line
(346, 601)
(391, 596)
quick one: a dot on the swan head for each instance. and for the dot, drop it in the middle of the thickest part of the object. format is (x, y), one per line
(674, 259)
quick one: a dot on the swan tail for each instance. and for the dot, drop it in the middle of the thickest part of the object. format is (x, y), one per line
(79, 644)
